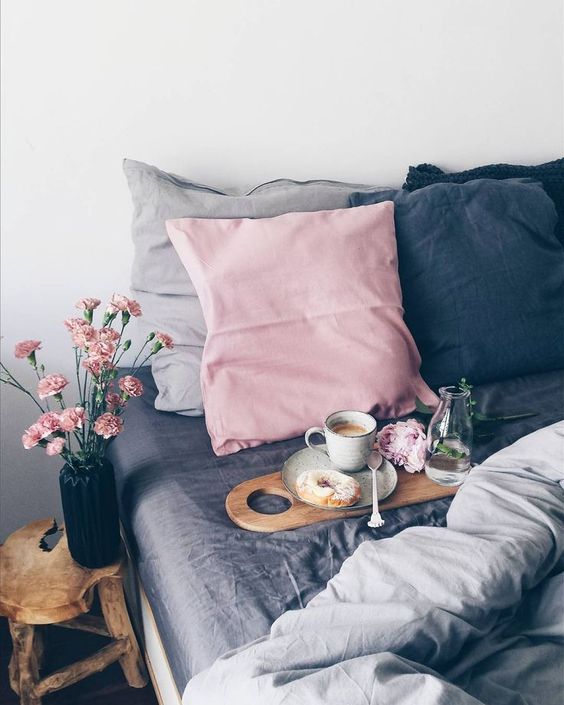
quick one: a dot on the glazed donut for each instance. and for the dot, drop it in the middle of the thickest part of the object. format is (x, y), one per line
(328, 488)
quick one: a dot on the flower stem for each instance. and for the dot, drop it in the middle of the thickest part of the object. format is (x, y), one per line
(77, 359)
(12, 381)
(136, 369)
(118, 344)
(139, 355)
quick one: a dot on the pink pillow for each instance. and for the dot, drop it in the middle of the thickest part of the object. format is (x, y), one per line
(304, 318)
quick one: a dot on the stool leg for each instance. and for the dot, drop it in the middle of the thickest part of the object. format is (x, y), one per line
(14, 671)
(14, 674)
(115, 613)
(38, 646)
(24, 665)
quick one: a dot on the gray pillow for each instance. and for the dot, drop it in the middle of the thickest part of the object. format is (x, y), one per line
(159, 280)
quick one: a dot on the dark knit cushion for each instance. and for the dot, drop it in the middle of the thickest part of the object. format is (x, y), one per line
(482, 277)
(551, 175)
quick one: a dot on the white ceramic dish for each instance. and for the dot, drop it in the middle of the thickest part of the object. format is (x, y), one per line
(308, 459)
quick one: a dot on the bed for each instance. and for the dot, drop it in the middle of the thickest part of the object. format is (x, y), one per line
(211, 587)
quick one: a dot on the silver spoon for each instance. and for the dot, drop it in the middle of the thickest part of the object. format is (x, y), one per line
(374, 462)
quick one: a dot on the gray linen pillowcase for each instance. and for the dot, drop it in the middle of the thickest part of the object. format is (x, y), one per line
(160, 282)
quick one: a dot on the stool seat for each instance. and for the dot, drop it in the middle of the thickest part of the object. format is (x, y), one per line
(45, 587)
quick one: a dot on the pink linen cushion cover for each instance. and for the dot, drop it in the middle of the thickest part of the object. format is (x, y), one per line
(304, 317)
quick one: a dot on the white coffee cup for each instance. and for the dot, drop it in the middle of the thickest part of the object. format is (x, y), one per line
(349, 436)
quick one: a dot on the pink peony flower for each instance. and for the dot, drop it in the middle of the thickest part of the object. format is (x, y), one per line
(49, 422)
(108, 425)
(164, 339)
(71, 418)
(55, 447)
(33, 435)
(87, 304)
(84, 336)
(26, 348)
(108, 335)
(131, 386)
(404, 443)
(114, 401)
(75, 324)
(122, 303)
(51, 385)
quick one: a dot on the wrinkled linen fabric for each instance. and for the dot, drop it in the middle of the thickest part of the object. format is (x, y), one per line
(470, 613)
(213, 586)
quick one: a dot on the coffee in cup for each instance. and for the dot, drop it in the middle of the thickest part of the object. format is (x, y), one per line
(349, 429)
(349, 438)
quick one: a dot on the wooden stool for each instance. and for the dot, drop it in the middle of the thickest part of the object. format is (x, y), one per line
(39, 586)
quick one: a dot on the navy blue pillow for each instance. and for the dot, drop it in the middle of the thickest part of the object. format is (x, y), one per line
(482, 277)
(551, 175)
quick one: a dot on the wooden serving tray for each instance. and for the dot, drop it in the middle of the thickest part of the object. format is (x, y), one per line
(411, 489)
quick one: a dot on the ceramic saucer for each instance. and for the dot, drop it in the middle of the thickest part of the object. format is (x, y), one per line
(308, 459)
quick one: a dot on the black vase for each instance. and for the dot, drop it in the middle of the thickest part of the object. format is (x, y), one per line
(91, 514)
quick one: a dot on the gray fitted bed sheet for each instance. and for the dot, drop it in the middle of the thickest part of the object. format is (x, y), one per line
(212, 586)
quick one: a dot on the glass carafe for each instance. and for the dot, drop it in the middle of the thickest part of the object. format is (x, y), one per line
(449, 438)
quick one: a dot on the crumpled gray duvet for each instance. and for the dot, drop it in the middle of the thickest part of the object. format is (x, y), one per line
(471, 613)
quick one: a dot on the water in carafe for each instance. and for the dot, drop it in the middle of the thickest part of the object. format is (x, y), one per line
(450, 467)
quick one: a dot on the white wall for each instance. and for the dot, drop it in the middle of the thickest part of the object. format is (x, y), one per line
(233, 92)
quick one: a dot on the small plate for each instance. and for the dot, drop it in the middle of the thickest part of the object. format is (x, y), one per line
(308, 459)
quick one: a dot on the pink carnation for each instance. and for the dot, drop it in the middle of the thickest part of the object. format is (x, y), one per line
(108, 335)
(71, 418)
(117, 303)
(114, 401)
(122, 303)
(84, 336)
(102, 350)
(26, 347)
(73, 325)
(164, 339)
(33, 435)
(49, 422)
(131, 386)
(134, 308)
(95, 365)
(51, 385)
(87, 304)
(108, 425)
(55, 447)
(404, 443)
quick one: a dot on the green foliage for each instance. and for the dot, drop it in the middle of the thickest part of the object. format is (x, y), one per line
(482, 423)
(447, 450)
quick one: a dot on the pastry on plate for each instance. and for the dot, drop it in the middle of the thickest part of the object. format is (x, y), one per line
(328, 488)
